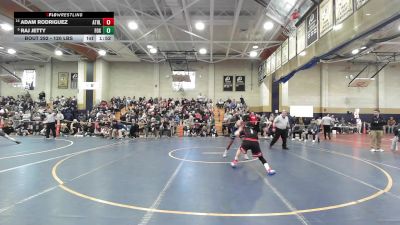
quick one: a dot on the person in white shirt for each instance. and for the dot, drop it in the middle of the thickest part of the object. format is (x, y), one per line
(359, 125)
(326, 123)
(280, 129)
(59, 116)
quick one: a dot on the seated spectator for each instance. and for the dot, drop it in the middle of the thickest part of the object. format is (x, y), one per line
(116, 129)
(134, 129)
(297, 129)
(75, 127)
(312, 129)
(391, 124)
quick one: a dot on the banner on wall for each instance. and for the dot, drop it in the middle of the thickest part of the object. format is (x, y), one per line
(261, 73)
(301, 38)
(325, 17)
(285, 52)
(292, 45)
(278, 57)
(228, 83)
(74, 80)
(343, 9)
(273, 62)
(240, 83)
(360, 3)
(268, 66)
(265, 69)
(312, 27)
(63, 80)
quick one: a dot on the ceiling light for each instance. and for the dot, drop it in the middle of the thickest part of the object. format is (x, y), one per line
(368, 14)
(1, 47)
(363, 47)
(149, 46)
(268, 25)
(102, 52)
(355, 51)
(255, 46)
(303, 53)
(338, 26)
(6, 26)
(58, 52)
(203, 51)
(199, 26)
(153, 50)
(133, 25)
(11, 51)
(253, 54)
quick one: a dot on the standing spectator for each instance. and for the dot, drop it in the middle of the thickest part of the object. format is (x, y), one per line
(42, 96)
(391, 123)
(326, 123)
(377, 124)
(359, 125)
(280, 128)
(396, 138)
(242, 100)
(50, 123)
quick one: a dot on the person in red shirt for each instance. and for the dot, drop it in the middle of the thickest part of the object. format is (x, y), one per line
(253, 119)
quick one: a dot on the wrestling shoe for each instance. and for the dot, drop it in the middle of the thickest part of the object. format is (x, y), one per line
(225, 153)
(271, 172)
(234, 163)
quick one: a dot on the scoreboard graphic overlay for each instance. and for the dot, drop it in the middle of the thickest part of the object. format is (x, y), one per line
(63, 27)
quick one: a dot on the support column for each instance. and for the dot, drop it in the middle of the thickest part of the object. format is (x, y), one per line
(284, 96)
(90, 71)
(102, 79)
(324, 88)
(275, 95)
(211, 82)
(48, 77)
(265, 95)
(81, 97)
(156, 78)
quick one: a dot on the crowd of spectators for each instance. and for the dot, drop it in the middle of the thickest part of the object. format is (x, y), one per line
(147, 117)
(117, 118)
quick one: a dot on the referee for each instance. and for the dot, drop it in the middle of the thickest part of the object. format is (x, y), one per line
(50, 123)
(280, 128)
(326, 124)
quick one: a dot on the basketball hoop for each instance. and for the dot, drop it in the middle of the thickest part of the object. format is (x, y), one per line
(360, 82)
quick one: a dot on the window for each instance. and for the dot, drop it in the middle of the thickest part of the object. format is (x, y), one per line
(186, 82)
(29, 79)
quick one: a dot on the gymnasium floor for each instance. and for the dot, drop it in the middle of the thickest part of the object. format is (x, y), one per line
(180, 181)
